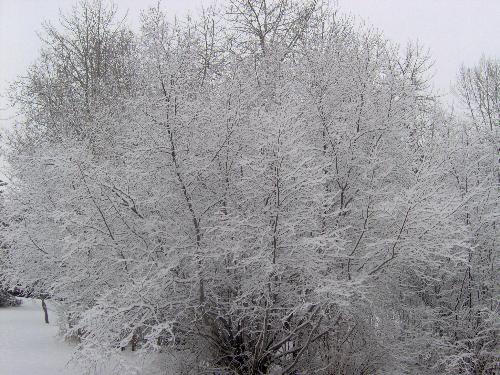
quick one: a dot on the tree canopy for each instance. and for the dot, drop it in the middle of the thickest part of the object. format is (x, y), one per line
(266, 188)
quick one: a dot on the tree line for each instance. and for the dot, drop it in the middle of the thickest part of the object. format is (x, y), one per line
(268, 187)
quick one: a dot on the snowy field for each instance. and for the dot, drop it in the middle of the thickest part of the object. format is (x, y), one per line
(28, 346)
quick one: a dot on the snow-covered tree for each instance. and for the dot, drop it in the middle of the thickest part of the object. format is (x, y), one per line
(269, 188)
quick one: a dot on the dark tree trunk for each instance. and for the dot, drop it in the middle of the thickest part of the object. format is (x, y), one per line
(46, 313)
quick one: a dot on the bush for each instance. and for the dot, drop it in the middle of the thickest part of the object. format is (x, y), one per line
(7, 299)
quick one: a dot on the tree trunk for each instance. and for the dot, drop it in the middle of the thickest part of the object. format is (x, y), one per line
(46, 313)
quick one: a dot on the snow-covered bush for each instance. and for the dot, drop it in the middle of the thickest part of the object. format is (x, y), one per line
(6, 299)
(269, 187)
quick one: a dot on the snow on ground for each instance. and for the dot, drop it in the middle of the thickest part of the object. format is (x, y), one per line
(28, 346)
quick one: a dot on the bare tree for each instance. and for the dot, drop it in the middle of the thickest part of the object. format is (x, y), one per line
(85, 61)
(479, 89)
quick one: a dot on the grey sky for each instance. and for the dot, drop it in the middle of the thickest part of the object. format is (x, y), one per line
(455, 31)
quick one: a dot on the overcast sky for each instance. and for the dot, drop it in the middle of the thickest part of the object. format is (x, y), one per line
(455, 31)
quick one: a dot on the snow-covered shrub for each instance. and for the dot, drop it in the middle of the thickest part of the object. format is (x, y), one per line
(265, 189)
(6, 299)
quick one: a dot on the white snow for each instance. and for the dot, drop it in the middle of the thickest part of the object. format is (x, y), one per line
(28, 346)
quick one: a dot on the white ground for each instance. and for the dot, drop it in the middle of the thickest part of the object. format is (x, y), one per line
(28, 346)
